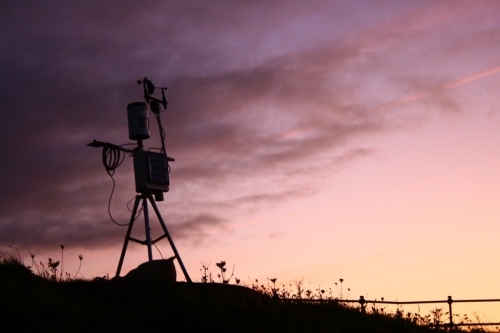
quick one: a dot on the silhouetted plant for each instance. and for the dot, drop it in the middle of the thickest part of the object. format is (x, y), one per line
(13, 257)
(206, 278)
(50, 270)
(341, 291)
(274, 290)
(62, 262)
(320, 292)
(300, 290)
(222, 275)
(206, 275)
(79, 266)
(53, 268)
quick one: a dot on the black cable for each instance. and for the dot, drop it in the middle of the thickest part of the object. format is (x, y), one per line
(161, 255)
(138, 212)
(162, 138)
(112, 158)
(162, 132)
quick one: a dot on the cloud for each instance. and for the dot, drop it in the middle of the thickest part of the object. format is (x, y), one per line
(436, 90)
(262, 105)
(197, 227)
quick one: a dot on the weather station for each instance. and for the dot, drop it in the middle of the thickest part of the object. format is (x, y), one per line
(151, 169)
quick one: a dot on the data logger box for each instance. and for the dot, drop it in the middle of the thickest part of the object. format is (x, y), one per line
(151, 172)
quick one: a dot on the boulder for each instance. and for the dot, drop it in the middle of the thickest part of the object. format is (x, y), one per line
(161, 270)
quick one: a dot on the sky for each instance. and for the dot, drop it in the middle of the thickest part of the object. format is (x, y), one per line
(313, 140)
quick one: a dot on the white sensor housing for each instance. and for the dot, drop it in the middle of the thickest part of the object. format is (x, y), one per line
(138, 121)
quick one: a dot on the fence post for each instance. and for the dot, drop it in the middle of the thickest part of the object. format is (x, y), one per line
(449, 301)
(362, 303)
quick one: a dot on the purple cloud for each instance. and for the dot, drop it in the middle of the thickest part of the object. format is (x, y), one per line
(259, 98)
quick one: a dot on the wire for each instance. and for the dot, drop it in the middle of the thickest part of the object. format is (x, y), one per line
(161, 255)
(138, 212)
(162, 132)
(112, 158)
(162, 138)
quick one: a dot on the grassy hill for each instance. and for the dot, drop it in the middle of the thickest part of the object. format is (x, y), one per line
(30, 303)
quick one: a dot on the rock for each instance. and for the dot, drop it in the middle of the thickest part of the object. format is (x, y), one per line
(162, 270)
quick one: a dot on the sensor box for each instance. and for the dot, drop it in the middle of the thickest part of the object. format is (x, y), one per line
(151, 172)
(138, 121)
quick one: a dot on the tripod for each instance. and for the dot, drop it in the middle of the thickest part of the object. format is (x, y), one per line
(145, 197)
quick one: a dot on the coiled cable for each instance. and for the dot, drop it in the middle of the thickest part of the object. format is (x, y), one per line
(112, 158)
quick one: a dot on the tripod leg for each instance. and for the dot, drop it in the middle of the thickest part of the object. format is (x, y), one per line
(146, 222)
(127, 237)
(186, 275)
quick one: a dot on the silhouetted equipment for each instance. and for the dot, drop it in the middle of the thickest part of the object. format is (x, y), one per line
(151, 172)
(149, 89)
(151, 168)
(138, 121)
